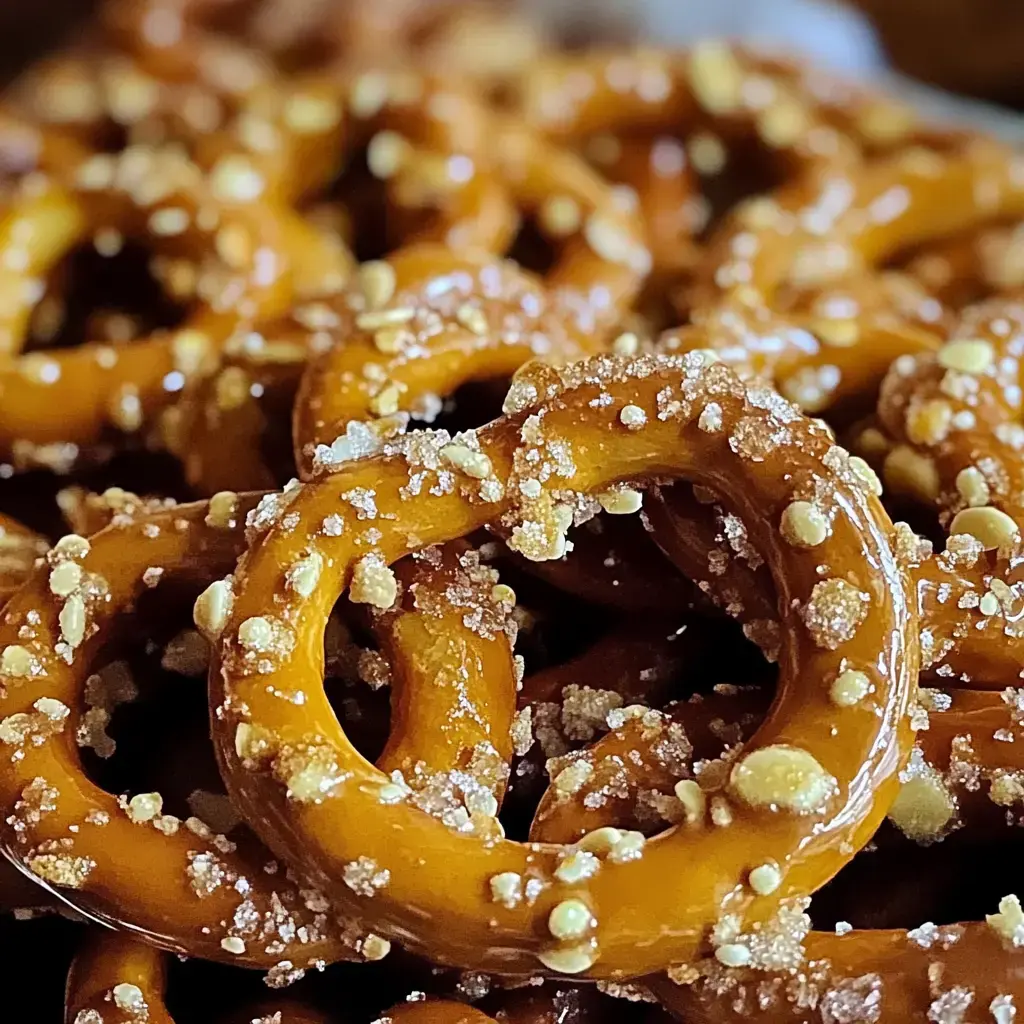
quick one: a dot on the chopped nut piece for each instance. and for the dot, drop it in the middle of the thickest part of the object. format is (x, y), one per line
(1009, 921)
(375, 948)
(304, 575)
(377, 283)
(765, 879)
(577, 867)
(472, 463)
(17, 661)
(72, 620)
(71, 546)
(573, 960)
(632, 417)
(990, 526)
(65, 579)
(212, 608)
(507, 889)
(850, 688)
(971, 356)
(627, 344)
(256, 634)
(924, 806)
(570, 919)
(782, 777)
(144, 807)
(804, 525)
(222, 510)
(373, 582)
(128, 997)
(622, 502)
(694, 802)
(907, 472)
(733, 955)
(972, 486)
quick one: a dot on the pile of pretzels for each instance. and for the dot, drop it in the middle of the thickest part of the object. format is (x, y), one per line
(495, 532)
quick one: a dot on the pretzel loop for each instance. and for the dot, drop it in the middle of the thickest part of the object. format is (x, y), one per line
(812, 762)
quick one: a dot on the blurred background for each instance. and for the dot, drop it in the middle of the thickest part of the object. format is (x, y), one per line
(970, 47)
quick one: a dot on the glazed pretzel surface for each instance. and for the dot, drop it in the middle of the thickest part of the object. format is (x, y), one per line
(587, 702)
(261, 748)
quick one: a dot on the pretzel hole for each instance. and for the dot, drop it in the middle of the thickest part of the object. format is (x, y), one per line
(106, 291)
(142, 726)
(922, 884)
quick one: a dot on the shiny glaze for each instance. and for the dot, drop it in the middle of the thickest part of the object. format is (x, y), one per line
(862, 747)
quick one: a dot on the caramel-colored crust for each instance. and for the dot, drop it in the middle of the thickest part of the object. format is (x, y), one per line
(860, 747)
(77, 840)
(965, 771)
(453, 681)
(445, 346)
(888, 977)
(795, 242)
(961, 416)
(966, 638)
(715, 86)
(75, 395)
(124, 981)
(107, 960)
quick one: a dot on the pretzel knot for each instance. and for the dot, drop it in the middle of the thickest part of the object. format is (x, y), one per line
(569, 435)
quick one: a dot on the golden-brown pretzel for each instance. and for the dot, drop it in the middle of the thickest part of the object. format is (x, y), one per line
(264, 742)
(200, 892)
(414, 328)
(953, 972)
(736, 91)
(451, 674)
(965, 771)
(954, 415)
(250, 261)
(114, 979)
(763, 289)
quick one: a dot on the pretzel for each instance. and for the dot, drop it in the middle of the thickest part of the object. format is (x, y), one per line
(764, 296)
(200, 893)
(416, 327)
(453, 686)
(433, 143)
(244, 404)
(172, 45)
(19, 549)
(965, 768)
(263, 742)
(739, 92)
(656, 766)
(458, 681)
(888, 976)
(665, 123)
(75, 395)
(425, 139)
(115, 979)
(952, 416)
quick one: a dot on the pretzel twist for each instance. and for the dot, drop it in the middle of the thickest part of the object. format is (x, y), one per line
(243, 258)
(787, 291)
(263, 746)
